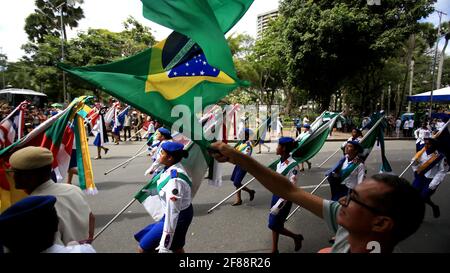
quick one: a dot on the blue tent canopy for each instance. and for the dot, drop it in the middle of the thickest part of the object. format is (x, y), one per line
(439, 96)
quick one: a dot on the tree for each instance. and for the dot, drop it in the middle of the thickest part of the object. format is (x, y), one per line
(328, 42)
(445, 31)
(46, 18)
(37, 70)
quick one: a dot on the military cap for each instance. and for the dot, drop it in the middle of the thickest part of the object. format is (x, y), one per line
(30, 158)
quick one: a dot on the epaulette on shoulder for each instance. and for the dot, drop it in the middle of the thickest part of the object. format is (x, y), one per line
(173, 173)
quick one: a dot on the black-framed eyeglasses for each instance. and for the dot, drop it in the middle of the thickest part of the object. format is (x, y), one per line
(351, 197)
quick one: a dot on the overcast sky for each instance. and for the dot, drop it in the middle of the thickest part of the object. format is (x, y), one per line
(109, 14)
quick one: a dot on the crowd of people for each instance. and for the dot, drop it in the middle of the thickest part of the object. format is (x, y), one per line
(381, 208)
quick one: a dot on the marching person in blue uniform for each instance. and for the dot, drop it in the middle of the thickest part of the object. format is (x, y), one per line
(348, 172)
(162, 136)
(174, 190)
(238, 173)
(356, 136)
(421, 134)
(429, 168)
(280, 207)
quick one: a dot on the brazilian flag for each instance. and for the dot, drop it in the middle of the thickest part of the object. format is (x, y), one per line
(194, 61)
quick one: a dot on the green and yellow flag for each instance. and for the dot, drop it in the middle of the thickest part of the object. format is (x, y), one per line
(194, 61)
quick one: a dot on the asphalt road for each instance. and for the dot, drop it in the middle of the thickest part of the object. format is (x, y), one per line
(244, 229)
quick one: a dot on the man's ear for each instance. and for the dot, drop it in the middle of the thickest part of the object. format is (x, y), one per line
(382, 224)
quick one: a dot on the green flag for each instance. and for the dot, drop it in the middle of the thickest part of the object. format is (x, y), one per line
(374, 135)
(308, 147)
(176, 70)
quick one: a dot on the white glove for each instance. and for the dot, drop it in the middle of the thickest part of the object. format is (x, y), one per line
(148, 172)
(162, 249)
(277, 207)
(274, 210)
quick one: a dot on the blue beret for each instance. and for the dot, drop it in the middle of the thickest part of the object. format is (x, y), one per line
(286, 140)
(172, 147)
(28, 207)
(306, 125)
(356, 144)
(164, 132)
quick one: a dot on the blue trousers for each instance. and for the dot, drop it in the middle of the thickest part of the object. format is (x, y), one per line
(150, 236)
(421, 183)
(276, 222)
(237, 176)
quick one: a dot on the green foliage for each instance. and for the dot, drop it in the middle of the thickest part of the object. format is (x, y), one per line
(328, 42)
(46, 19)
(37, 68)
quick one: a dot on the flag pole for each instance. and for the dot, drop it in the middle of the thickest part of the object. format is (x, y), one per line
(435, 136)
(326, 160)
(312, 192)
(231, 194)
(135, 154)
(404, 171)
(123, 163)
(114, 218)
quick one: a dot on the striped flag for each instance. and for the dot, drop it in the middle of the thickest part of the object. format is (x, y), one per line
(119, 120)
(99, 130)
(12, 127)
(84, 164)
(54, 134)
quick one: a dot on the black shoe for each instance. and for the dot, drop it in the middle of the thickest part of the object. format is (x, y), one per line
(436, 211)
(309, 165)
(252, 195)
(298, 242)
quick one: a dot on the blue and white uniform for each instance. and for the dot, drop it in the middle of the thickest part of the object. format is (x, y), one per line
(429, 171)
(238, 173)
(280, 208)
(174, 190)
(420, 135)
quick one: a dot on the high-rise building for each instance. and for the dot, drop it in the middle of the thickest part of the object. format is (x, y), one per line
(263, 21)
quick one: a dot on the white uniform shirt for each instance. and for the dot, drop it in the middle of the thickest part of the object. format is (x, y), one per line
(437, 173)
(292, 175)
(175, 196)
(355, 177)
(84, 248)
(421, 134)
(411, 124)
(406, 124)
(72, 209)
(279, 126)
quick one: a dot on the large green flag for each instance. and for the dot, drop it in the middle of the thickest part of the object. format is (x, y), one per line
(374, 135)
(176, 70)
(308, 147)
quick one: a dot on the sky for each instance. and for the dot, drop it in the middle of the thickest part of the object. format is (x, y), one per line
(109, 14)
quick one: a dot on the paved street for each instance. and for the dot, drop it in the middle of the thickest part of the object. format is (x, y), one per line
(244, 229)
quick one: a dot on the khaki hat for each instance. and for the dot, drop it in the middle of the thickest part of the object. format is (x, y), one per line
(30, 158)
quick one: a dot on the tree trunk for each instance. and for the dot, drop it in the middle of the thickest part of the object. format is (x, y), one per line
(441, 63)
(411, 46)
(289, 92)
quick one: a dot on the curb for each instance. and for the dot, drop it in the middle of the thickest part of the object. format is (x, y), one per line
(340, 139)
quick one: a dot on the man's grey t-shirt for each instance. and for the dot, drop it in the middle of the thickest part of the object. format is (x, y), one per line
(330, 212)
